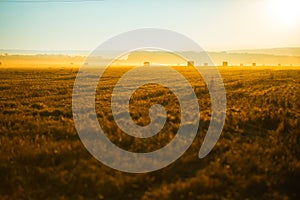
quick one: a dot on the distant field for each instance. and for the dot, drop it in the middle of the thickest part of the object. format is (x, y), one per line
(256, 157)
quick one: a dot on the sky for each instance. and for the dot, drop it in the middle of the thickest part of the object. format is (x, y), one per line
(214, 24)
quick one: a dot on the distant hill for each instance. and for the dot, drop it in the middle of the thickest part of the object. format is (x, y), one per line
(288, 51)
(217, 58)
(274, 56)
(44, 52)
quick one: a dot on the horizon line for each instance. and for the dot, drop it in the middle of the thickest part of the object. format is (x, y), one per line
(214, 50)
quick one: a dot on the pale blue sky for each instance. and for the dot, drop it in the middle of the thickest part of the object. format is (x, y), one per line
(213, 24)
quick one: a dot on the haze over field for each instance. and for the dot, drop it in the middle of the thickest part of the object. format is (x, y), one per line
(267, 57)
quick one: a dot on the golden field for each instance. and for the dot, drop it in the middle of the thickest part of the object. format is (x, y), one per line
(256, 157)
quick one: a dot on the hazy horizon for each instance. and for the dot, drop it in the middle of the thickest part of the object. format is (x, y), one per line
(86, 52)
(262, 57)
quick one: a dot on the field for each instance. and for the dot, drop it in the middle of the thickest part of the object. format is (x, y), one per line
(256, 157)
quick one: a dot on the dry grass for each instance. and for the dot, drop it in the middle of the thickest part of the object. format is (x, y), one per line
(257, 156)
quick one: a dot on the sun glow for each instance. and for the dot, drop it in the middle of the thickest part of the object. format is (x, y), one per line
(286, 11)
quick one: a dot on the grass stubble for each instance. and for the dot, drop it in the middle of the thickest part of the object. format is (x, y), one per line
(256, 157)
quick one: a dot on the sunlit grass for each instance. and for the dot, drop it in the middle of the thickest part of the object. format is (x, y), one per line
(257, 156)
